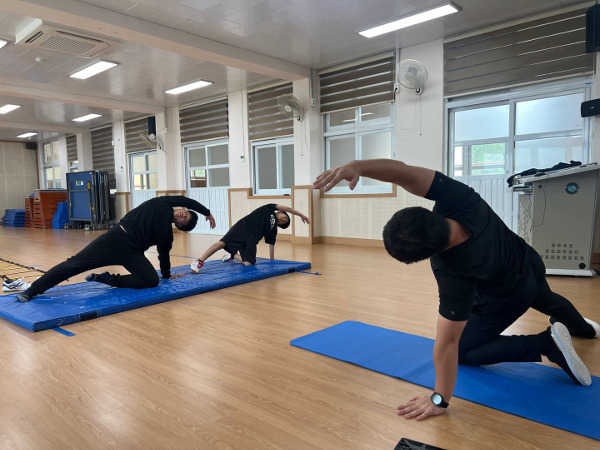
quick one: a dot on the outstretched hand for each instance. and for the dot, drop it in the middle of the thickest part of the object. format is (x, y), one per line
(332, 177)
(211, 220)
(304, 218)
(420, 407)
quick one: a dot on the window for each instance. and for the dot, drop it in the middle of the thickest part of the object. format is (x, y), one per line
(273, 166)
(51, 165)
(144, 171)
(366, 132)
(518, 134)
(208, 165)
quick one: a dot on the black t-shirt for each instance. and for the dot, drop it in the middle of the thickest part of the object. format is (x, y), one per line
(151, 224)
(262, 222)
(490, 263)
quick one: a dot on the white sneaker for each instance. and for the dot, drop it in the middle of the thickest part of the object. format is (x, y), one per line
(227, 258)
(196, 266)
(17, 285)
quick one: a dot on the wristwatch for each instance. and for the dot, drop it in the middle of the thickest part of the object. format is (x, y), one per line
(438, 400)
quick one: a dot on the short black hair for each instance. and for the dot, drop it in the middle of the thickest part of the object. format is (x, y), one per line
(285, 225)
(414, 234)
(192, 223)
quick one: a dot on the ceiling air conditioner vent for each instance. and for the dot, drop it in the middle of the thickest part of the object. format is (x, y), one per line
(53, 39)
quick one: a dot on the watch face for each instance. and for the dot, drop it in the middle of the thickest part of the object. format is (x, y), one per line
(436, 399)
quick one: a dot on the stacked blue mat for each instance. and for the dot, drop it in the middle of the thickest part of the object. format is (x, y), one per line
(61, 216)
(63, 305)
(13, 218)
(541, 393)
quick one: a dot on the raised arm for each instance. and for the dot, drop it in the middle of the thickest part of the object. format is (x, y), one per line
(414, 179)
(189, 203)
(292, 211)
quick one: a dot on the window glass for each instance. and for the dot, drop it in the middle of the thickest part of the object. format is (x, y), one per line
(549, 114)
(376, 112)
(152, 181)
(481, 123)
(287, 166)
(458, 161)
(55, 156)
(197, 157)
(152, 160)
(267, 167)
(198, 178)
(488, 159)
(139, 163)
(373, 146)
(218, 177)
(341, 151)
(542, 153)
(344, 117)
(218, 154)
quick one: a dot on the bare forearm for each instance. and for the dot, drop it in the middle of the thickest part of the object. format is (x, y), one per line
(445, 360)
(416, 180)
(289, 210)
(271, 251)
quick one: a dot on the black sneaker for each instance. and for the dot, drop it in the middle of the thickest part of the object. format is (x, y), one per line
(104, 277)
(23, 297)
(563, 354)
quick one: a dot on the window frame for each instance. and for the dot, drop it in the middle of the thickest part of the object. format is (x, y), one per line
(357, 130)
(278, 143)
(146, 173)
(53, 164)
(205, 145)
(511, 97)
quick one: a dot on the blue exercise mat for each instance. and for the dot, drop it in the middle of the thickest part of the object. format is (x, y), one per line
(63, 305)
(536, 392)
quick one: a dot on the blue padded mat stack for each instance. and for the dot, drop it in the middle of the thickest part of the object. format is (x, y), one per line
(13, 218)
(536, 392)
(61, 216)
(73, 303)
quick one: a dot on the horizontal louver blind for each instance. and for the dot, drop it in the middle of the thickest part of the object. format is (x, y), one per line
(71, 147)
(360, 85)
(133, 141)
(103, 155)
(534, 51)
(265, 121)
(204, 122)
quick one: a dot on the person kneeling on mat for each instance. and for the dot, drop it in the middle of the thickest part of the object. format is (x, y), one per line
(241, 240)
(487, 278)
(124, 245)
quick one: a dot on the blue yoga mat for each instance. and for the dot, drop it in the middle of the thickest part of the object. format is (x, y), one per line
(63, 305)
(540, 393)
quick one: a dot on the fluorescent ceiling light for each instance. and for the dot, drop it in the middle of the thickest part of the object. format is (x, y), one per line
(3, 43)
(188, 87)
(94, 69)
(8, 108)
(408, 21)
(26, 135)
(88, 117)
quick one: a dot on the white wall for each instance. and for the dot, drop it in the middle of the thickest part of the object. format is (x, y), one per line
(239, 153)
(420, 118)
(18, 175)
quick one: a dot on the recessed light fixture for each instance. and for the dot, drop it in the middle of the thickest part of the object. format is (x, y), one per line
(86, 118)
(8, 108)
(26, 135)
(94, 69)
(189, 87)
(413, 19)
(3, 43)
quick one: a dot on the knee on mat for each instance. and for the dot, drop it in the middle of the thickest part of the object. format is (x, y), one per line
(151, 281)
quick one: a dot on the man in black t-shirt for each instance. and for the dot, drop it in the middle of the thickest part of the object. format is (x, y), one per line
(241, 240)
(124, 245)
(487, 278)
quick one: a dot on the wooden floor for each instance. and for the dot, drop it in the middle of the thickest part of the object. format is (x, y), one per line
(217, 371)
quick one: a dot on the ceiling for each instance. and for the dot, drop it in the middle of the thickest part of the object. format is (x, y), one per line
(236, 44)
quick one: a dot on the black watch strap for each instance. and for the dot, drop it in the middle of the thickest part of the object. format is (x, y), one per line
(438, 400)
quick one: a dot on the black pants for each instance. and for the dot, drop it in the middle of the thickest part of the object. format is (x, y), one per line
(113, 248)
(481, 342)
